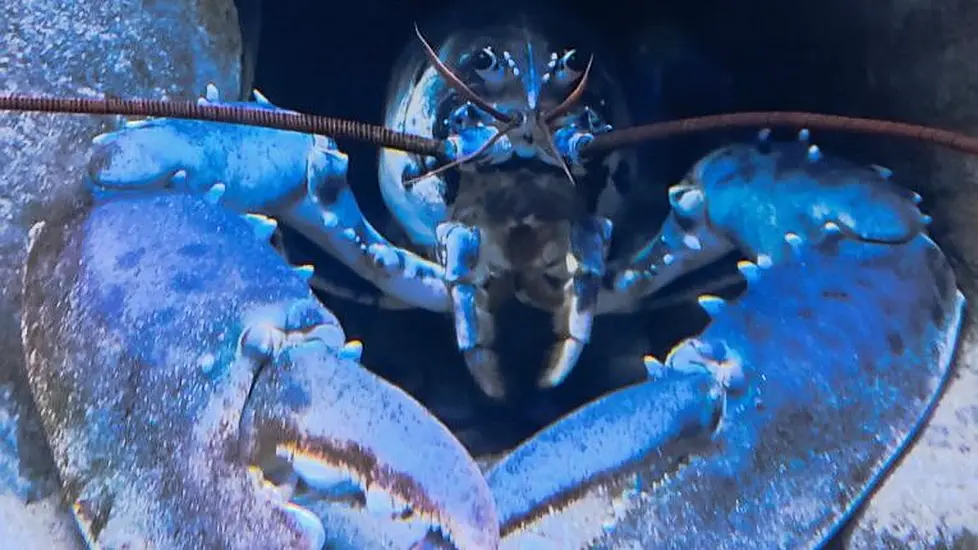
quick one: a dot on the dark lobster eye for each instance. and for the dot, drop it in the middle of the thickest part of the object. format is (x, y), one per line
(483, 60)
(569, 67)
(489, 67)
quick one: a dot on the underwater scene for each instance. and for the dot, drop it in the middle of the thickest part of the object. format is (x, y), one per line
(491, 274)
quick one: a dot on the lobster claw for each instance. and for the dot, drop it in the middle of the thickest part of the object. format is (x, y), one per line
(226, 411)
(818, 375)
(311, 428)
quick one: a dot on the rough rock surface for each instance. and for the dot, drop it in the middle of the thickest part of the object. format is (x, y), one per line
(923, 57)
(123, 48)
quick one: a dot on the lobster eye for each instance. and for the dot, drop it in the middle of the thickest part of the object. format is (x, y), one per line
(487, 65)
(570, 66)
(483, 60)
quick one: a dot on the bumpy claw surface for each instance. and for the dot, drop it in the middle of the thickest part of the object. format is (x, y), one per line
(768, 428)
(195, 395)
(749, 196)
(297, 178)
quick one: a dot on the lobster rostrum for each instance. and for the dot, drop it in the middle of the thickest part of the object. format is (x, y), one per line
(249, 421)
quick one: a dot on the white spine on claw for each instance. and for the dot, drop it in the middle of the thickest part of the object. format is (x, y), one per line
(831, 232)
(794, 241)
(749, 270)
(804, 135)
(304, 271)
(211, 93)
(178, 179)
(352, 350)
(653, 367)
(831, 228)
(763, 261)
(260, 98)
(215, 193)
(263, 226)
(712, 305)
(814, 153)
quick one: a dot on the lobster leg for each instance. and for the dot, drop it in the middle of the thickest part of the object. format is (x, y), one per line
(297, 178)
(226, 411)
(574, 318)
(460, 248)
(769, 428)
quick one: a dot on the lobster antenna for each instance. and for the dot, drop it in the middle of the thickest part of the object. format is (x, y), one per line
(385, 137)
(769, 119)
(231, 114)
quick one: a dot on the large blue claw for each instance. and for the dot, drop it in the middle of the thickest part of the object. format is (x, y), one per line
(195, 395)
(824, 369)
(297, 178)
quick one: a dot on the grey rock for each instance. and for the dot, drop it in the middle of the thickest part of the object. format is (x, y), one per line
(126, 48)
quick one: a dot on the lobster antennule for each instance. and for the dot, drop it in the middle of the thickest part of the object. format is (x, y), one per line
(230, 114)
(818, 121)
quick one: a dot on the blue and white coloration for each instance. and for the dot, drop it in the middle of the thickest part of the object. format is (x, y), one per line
(765, 430)
(527, 210)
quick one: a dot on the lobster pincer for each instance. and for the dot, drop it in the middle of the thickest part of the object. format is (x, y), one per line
(228, 411)
(770, 427)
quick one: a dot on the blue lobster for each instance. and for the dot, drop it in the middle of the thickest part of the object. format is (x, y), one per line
(244, 412)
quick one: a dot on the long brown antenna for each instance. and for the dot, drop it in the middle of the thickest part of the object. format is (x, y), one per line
(230, 114)
(797, 119)
(456, 83)
(385, 137)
